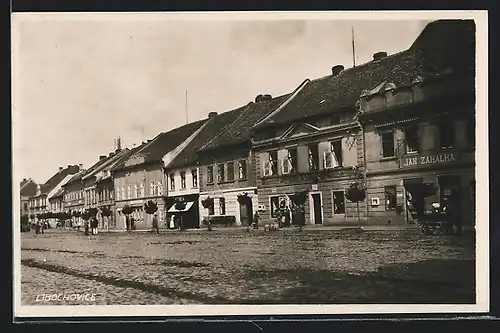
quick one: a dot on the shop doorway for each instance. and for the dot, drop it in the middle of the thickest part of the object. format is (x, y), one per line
(316, 207)
(415, 201)
(246, 213)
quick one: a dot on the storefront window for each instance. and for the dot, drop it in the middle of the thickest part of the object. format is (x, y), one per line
(222, 206)
(390, 198)
(338, 203)
(274, 206)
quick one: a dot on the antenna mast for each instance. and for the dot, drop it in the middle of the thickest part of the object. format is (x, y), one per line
(353, 48)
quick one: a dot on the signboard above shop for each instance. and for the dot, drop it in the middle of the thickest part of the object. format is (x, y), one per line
(416, 160)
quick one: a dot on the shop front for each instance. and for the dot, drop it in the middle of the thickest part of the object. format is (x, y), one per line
(227, 206)
(188, 212)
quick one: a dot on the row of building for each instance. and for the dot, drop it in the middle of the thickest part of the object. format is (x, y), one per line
(403, 124)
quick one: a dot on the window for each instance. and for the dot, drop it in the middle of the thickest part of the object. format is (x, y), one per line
(290, 162)
(183, 180)
(411, 137)
(222, 206)
(210, 174)
(142, 191)
(274, 206)
(160, 187)
(136, 190)
(220, 173)
(446, 134)
(194, 177)
(152, 188)
(388, 144)
(470, 132)
(390, 197)
(129, 191)
(333, 158)
(242, 169)
(110, 195)
(313, 157)
(273, 162)
(230, 171)
(338, 203)
(172, 181)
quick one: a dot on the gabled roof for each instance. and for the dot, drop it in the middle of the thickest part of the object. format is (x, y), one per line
(28, 187)
(444, 46)
(126, 154)
(214, 126)
(239, 131)
(165, 142)
(50, 184)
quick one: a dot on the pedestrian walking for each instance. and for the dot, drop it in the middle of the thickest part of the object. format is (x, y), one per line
(86, 226)
(93, 225)
(37, 227)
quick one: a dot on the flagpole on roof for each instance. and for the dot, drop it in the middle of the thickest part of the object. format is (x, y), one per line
(353, 48)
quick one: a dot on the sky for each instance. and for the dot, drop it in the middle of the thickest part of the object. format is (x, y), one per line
(79, 83)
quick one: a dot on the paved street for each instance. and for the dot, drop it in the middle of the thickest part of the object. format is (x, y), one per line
(233, 266)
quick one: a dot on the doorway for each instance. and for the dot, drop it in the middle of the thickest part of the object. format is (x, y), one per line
(317, 213)
(246, 213)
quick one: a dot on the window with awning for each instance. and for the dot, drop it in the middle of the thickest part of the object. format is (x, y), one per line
(188, 206)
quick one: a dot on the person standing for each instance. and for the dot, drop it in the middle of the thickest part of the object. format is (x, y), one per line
(155, 223)
(256, 219)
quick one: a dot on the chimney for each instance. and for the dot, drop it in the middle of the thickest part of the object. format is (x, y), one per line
(337, 69)
(24, 179)
(80, 166)
(61, 168)
(258, 98)
(266, 97)
(379, 55)
(102, 157)
(212, 114)
(110, 154)
(69, 166)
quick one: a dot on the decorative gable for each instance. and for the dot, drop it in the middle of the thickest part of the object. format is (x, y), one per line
(299, 130)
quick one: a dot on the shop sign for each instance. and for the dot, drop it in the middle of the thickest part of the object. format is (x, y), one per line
(440, 158)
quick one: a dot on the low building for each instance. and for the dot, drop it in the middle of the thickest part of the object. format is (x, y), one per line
(140, 177)
(227, 164)
(182, 173)
(419, 127)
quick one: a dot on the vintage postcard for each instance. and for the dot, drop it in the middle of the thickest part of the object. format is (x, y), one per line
(278, 163)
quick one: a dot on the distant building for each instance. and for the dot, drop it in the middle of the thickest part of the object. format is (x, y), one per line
(39, 203)
(28, 189)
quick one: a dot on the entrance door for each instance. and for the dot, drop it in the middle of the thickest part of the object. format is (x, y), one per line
(246, 213)
(318, 218)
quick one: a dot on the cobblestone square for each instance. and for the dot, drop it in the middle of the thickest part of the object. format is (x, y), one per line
(257, 267)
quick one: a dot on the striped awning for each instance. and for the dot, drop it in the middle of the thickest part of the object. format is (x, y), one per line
(397, 122)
